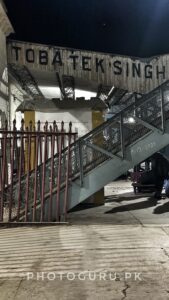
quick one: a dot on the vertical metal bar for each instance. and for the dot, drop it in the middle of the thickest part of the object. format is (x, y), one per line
(80, 146)
(17, 151)
(20, 172)
(52, 170)
(122, 136)
(135, 102)
(57, 140)
(162, 110)
(1, 157)
(36, 174)
(3, 172)
(43, 173)
(47, 150)
(9, 147)
(28, 171)
(12, 169)
(23, 167)
(59, 173)
(40, 144)
(68, 165)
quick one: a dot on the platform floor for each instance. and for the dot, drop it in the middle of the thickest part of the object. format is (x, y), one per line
(116, 251)
(123, 207)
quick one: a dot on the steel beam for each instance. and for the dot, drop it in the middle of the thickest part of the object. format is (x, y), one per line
(162, 110)
(149, 126)
(81, 163)
(103, 92)
(122, 136)
(25, 79)
(103, 151)
(67, 86)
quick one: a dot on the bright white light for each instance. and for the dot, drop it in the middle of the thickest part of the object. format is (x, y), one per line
(131, 120)
(54, 92)
(50, 92)
(111, 90)
(85, 94)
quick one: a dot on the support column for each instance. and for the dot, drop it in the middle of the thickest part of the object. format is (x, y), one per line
(98, 197)
(97, 119)
(29, 116)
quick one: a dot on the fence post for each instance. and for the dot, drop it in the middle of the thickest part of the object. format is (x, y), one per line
(58, 183)
(36, 173)
(14, 144)
(4, 168)
(68, 164)
(29, 130)
(52, 130)
(162, 110)
(44, 171)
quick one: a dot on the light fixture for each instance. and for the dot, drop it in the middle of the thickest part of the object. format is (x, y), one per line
(131, 120)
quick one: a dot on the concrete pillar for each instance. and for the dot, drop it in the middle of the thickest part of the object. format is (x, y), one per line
(29, 116)
(98, 197)
(97, 119)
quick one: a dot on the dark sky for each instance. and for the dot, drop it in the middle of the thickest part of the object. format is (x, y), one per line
(127, 27)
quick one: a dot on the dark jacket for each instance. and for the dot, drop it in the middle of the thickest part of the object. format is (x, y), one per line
(160, 166)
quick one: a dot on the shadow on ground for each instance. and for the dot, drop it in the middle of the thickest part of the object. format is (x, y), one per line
(124, 197)
(161, 209)
(150, 202)
(84, 206)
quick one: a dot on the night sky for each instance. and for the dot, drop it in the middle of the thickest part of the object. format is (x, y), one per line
(128, 27)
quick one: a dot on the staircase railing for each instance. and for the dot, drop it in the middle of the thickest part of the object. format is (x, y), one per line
(112, 137)
(105, 142)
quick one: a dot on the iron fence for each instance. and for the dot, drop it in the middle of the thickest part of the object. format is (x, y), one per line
(33, 185)
(24, 178)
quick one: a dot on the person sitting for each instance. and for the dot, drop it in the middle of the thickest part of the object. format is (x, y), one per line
(160, 170)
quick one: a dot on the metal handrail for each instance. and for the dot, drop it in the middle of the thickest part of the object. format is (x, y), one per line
(112, 137)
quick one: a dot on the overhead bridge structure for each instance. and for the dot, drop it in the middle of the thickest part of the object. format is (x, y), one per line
(89, 70)
(103, 154)
(95, 159)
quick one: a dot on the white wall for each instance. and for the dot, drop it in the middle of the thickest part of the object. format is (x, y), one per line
(5, 30)
(16, 97)
(4, 102)
(3, 55)
(81, 119)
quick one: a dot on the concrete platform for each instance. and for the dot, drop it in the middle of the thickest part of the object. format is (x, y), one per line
(105, 254)
(123, 207)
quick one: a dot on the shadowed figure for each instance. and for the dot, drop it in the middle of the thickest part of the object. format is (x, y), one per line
(160, 170)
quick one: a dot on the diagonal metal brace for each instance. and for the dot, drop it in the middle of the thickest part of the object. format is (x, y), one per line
(97, 148)
(149, 126)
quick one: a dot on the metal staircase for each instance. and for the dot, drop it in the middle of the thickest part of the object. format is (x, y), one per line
(105, 153)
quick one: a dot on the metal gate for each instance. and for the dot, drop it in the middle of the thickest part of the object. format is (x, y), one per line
(23, 173)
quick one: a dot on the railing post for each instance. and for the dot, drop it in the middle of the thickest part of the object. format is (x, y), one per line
(60, 171)
(162, 110)
(81, 163)
(52, 130)
(14, 143)
(37, 136)
(67, 175)
(28, 135)
(122, 136)
(44, 178)
(4, 170)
